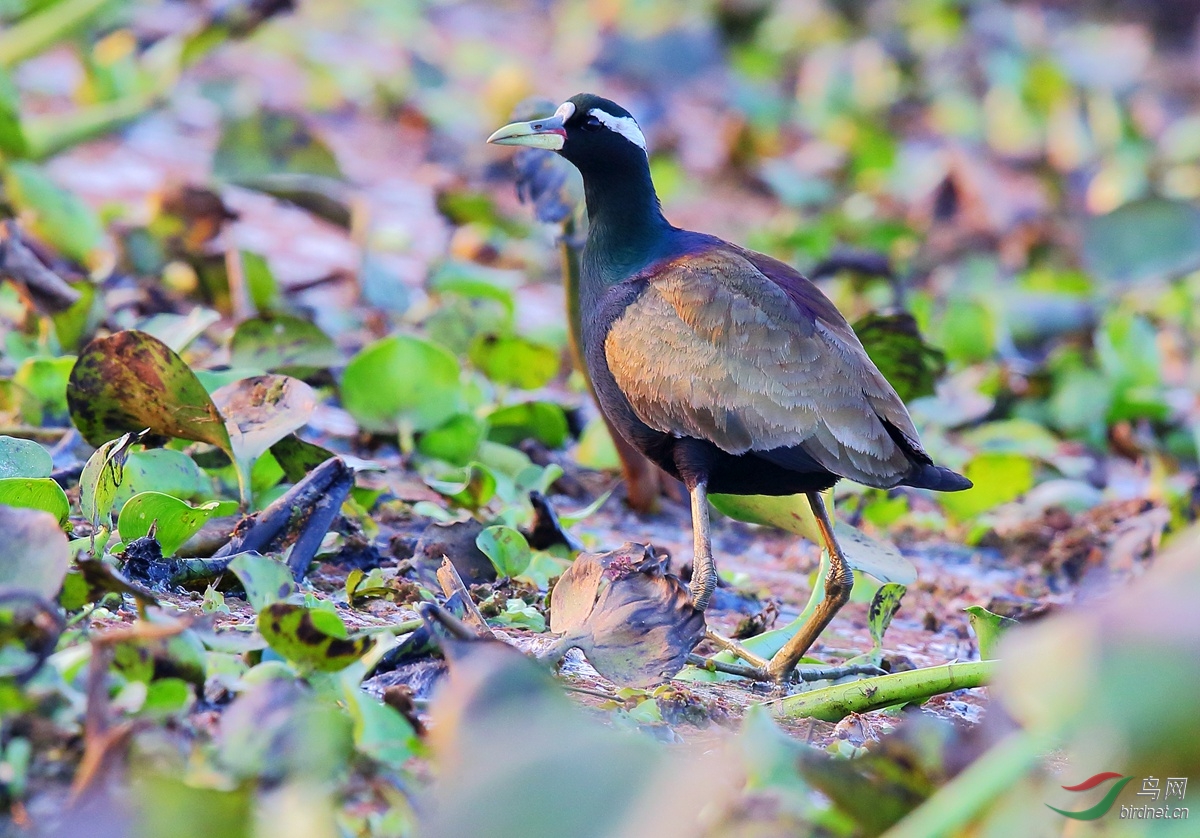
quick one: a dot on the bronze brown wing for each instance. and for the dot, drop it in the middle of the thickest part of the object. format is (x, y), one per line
(715, 349)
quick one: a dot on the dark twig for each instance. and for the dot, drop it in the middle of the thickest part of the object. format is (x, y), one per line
(304, 513)
(47, 290)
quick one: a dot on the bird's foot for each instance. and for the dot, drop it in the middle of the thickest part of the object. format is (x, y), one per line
(737, 649)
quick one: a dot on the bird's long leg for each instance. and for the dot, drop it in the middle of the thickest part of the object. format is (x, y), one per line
(837, 591)
(704, 569)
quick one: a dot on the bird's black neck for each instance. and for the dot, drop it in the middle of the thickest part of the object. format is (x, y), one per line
(626, 227)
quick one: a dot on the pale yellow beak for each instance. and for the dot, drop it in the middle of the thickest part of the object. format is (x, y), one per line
(539, 133)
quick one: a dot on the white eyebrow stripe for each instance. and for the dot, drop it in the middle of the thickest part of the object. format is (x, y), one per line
(623, 125)
(565, 111)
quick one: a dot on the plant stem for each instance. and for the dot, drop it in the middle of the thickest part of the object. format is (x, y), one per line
(836, 702)
(956, 804)
(44, 29)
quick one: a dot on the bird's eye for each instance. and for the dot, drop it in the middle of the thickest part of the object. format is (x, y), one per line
(591, 123)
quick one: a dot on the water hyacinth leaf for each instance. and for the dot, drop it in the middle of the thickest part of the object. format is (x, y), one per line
(1146, 240)
(455, 441)
(36, 493)
(34, 553)
(401, 381)
(102, 475)
(596, 449)
(989, 628)
(268, 143)
(544, 421)
(507, 549)
(78, 323)
(266, 581)
(634, 622)
(793, 514)
(129, 381)
(297, 457)
(998, 478)
(261, 287)
(12, 138)
(883, 607)
(515, 361)
(55, 215)
(380, 731)
(472, 488)
(163, 470)
(281, 342)
(310, 637)
(262, 410)
(895, 344)
(41, 388)
(174, 521)
(179, 330)
(23, 458)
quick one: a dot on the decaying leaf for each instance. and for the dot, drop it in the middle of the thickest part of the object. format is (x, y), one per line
(633, 621)
(262, 410)
(130, 381)
(313, 638)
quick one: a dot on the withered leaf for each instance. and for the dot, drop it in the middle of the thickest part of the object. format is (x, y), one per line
(633, 621)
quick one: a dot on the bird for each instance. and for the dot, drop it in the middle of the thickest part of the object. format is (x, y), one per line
(725, 367)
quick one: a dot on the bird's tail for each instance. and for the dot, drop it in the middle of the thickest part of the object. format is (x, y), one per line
(937, 478)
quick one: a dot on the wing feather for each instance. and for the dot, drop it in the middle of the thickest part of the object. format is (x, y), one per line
(715, 349)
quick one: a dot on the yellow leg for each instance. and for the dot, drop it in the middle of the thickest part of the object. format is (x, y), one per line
(837, 591)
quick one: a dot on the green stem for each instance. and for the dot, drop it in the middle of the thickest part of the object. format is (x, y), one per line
(956, 804)
(37, 33)
(407, 627)
(840, 700)
(51, 134)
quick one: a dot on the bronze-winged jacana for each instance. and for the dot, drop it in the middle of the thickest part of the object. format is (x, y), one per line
(725, 367)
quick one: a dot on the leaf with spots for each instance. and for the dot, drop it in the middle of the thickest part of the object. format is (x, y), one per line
(266, 581)
(102, 475)
(895, 344)
(23, 458)
(262, 410)
(883, 607)
(312, 638)
(131, 381)
(281, 342)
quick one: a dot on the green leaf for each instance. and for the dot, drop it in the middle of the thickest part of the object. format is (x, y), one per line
(515, 361)
(179, 330)
(41, 388)
(894, 343)
(596, 449)
(33, 552)
(36, 493)
(472, 488)
(988, 628)
(402, 381)
(310, 637)
(998, 478)
(262, 410)
(102, 474)
(883, 607)
(55, 215)
(507, 548)
(177, 521)
(24, 458)
(544, 421)
(12, 138)
(266, 581)
(261, 287)
(968, 331)
(793, 514)
(79, 322)
(167, 697)
(163, 470)
(1147, 240)
(267, 143)
(455, 441)
(281, 342)
(380, 732)
(298, 457)
(130, 381)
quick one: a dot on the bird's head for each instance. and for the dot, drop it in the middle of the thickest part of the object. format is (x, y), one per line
(587, 130)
